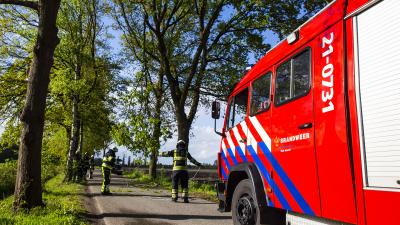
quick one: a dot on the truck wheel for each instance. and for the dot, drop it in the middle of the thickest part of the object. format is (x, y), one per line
(244, 207)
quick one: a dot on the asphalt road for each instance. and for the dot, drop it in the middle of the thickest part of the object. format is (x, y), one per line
(135, 205)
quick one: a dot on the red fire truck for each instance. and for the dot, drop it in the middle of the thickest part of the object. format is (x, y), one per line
(312, 131)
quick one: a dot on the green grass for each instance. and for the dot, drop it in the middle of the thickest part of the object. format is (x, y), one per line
(63, 206)
(196, 189)
(8, 170)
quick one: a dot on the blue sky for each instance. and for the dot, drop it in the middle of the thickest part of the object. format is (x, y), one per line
(204, 144)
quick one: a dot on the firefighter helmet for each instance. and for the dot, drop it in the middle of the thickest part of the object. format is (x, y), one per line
(181, 142)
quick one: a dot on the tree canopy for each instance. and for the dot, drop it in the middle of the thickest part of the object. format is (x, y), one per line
(63, 85)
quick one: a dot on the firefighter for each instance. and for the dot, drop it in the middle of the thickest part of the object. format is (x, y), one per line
(77, 167)
(107, 166)
(85, 164)
(91, 166)
(180, 173)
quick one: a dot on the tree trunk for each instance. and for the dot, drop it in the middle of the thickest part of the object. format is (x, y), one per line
(80, 149)
(76, 123)
(183, 127)
(153, 164)
(74, 138)
(68, 132)
(156, 138)
(28, 189)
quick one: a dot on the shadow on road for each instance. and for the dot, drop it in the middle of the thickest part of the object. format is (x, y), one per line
(155, 216)
(123, 194)
(95, 183)
(202, 203)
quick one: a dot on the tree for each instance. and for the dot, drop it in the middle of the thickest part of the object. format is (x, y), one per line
(147, 105)
(28, 190)
(81, 73)
(143, 126)
(202, 47)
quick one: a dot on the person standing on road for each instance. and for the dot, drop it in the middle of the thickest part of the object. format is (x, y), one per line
(85, 165)
(77, 167)
(91, 166)
(106, 167)
(180, 174)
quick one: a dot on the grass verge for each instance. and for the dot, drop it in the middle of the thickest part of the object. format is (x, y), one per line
(196, 189)
(8, 172)
(63, 206)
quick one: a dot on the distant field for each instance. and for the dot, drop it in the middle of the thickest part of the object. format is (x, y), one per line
(203, 175)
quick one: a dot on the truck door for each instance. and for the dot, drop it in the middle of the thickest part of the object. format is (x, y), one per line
(233, 145)
(293, 154)
(260, 118)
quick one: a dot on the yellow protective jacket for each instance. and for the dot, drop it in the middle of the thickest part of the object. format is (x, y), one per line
(108, 161)
(180, 159)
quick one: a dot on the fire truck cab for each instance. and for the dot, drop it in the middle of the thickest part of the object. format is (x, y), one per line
(312, 131)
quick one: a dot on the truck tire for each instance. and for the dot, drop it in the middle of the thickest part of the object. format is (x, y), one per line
(244, 207)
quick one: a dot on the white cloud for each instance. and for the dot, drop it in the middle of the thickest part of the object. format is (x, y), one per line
(204, 144)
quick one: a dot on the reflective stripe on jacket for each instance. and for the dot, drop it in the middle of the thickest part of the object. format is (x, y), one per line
(180, 160)
(108, 162)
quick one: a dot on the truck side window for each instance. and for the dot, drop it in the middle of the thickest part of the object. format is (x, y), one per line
(240, 106)
(237, 109)
(301, 74)
(282, 92)
(293, 78)
(260, 93)
(230, 119)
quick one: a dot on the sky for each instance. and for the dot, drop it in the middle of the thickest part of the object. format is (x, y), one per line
(204, 143)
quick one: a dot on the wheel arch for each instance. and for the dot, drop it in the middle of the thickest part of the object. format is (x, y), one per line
(248, 170)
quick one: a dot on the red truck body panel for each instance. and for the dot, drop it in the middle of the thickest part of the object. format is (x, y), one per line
(318, 170)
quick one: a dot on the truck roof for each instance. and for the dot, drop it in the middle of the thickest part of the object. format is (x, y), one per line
(325, 18)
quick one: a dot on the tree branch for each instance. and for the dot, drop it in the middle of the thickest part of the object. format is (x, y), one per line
(29, 4)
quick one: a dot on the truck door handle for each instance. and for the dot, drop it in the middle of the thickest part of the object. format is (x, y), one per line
(243, 140)
(305, 126)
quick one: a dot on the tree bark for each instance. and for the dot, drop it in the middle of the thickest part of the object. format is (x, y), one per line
(28, 189)
(183, 127)
(76, 122)
(80, 149)
(153, 164)
(156, 138)
(74, 138)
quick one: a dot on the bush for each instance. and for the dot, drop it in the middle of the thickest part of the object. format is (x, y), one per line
(8, 171)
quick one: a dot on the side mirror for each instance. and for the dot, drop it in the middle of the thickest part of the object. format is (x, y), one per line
(216, 110)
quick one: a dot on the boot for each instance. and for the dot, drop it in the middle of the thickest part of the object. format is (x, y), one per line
(186, 200)
(174, 199)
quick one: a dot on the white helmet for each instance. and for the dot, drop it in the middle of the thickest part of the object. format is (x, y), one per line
(181, 142)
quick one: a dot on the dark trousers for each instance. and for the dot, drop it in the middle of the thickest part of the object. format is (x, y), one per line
(91, 172)
(105, 188)
(182, 177)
